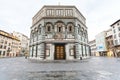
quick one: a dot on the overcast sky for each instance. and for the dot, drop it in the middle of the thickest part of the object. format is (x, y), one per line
(16, 15)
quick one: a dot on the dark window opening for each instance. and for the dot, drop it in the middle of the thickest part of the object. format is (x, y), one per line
(48, 29)
(39, 31)
(0, 46)
(0, 52)
(118, 28)
(3, 53)
(59, 29)
(70, 28)
(4, 47)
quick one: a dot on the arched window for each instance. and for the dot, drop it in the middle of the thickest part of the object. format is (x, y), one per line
(79, 29)
(32, 33)
(48, 28)
(59, 26)
(85, 33)
(39, 29)
(70, 28)
(82, 31)
(59, 29)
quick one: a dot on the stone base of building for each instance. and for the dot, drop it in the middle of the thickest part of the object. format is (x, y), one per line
(35, 59)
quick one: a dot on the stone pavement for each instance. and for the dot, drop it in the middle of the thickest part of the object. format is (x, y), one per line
(95, 68)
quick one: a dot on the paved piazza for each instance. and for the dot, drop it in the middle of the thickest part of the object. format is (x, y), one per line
(95, 68)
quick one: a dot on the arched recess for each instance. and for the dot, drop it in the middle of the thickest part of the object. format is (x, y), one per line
(48, 27)
(79, 29)
(82, 31)
(39, 29)
(85, 33)
(70, 27)
(60, 26)
(32, 34)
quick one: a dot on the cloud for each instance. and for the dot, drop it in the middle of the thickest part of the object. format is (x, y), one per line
(102, 16)
(16, 15)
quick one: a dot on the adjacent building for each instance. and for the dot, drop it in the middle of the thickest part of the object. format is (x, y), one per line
(92, 45)
(109, 42)
(101, 43)
(116, 36)
(59, 33)
(24, 42)
(9, 45)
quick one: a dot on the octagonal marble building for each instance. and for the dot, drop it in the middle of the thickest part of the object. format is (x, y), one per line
(58, 32)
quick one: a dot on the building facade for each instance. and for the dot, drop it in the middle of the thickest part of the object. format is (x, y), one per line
(59, 33)
(24, 42)
(93, 48)
(101, 43)
(116, 37)
(9, 45)
(109, 42)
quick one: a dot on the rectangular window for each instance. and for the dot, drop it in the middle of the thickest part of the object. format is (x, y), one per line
(0, 46)
(115, 36)
(114, 31)
(3, 53)
(0, 53)
(4, 47)
(5, 42)
(1, 41)
(118, 28)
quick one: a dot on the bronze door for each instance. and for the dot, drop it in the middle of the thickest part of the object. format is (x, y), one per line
(59, 52)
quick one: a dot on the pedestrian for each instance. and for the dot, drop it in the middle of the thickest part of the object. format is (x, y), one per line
(25, 55)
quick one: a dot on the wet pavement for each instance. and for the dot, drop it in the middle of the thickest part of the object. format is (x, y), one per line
(95, 68)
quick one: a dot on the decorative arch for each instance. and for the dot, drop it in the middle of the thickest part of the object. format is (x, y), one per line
(32, 32)
(70, 27)
(70, 23)
(59, 21)
(60, 26)
(82, 31)
(35, 29)
(85, 33)
(39, 29)
(79, 29)
(49, 27)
